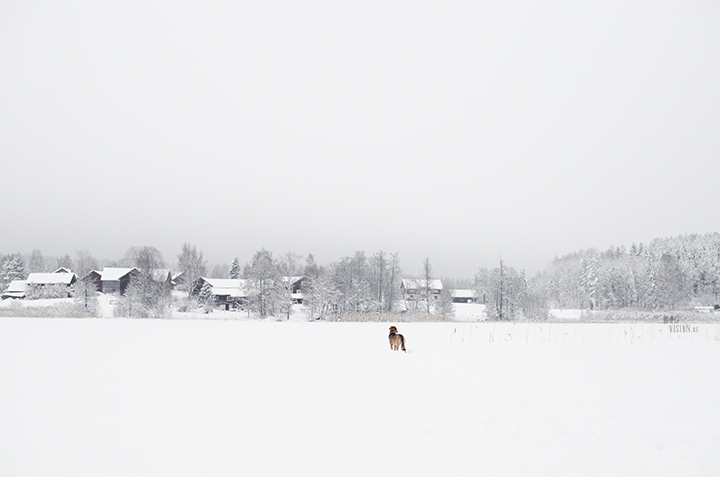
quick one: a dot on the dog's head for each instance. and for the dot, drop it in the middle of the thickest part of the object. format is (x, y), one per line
(393, 329)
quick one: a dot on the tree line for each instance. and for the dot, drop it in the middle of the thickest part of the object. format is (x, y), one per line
(665, 274)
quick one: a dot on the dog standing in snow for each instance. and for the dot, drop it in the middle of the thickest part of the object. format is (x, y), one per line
(397, 341)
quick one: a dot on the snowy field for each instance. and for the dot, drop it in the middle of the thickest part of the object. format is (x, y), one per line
(98, 397)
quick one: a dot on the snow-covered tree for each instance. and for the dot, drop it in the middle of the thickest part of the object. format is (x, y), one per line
(143, 298)
(192, 264)
(85, 263)
(205, 297)
(235, 269)
(36, 262)
(445, 306)
(427, 294)
(288, 269)
(146, 258)
(394, 276)
(66, 262)
(589, 278)
(220, 270)
(263, 276)
(85, 296)
(13, 268)
(505, 291)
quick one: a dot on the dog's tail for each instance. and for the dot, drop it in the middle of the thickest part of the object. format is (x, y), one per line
(402, 343)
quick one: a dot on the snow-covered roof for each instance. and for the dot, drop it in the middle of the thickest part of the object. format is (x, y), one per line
(235, 287)
(114, 274)
(161, 274)
(418, 283)
(225, 282)
(50, 278)
(16, 289)
(63, 270)
(292, 279)
(463, 293)
(233, 292)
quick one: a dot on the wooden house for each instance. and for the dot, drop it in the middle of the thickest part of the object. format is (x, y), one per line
(61, 280)
(417, 288)
(228, 293)
(294, 285)
(112, 280)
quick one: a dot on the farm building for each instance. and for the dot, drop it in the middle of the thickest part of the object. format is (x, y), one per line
(294, 284)
(463, 296)
(36, 284)
(226, 292)
(16, 289)
(416, 288)
(111, 280)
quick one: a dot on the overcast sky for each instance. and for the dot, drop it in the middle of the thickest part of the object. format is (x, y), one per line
(464, 131)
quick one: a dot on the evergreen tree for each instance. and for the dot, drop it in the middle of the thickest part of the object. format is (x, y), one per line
(13, 268)
(235, 269)
(205, 298)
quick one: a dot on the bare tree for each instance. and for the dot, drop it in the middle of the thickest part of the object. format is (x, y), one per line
(379, 276)
(427, 277)
(66, 262)
(36, 262)
(287, 268)
(147, 259)
(263, 276)
(84, 263)
(192, 264)
(392, 284)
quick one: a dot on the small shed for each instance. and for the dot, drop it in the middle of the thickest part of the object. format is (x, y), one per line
(16, 289)
(463, 296)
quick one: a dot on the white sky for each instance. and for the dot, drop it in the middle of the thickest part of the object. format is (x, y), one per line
(464, 131)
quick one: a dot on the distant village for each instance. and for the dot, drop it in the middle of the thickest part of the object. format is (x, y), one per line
(224, 293)
(667, 275)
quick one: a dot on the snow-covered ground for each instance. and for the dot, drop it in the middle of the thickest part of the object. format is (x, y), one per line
(567, 314)
(470, 311)
(88, 397)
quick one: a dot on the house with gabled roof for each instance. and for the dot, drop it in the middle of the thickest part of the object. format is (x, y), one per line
(38, 284)
(164, 278)
(111, 280)
(226, 292)
(178, 279)
(44, 279)
(416, 288)
(294, 286)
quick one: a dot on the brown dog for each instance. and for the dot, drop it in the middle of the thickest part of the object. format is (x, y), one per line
(397, 341)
